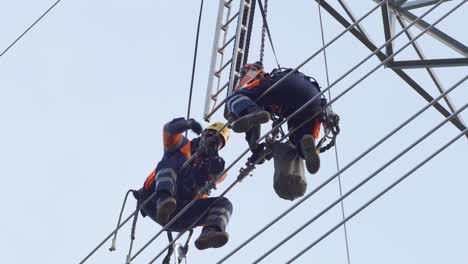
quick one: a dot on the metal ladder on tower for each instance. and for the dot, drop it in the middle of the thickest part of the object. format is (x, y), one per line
(222, 78)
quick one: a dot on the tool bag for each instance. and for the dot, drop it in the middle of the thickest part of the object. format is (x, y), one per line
(289, 180)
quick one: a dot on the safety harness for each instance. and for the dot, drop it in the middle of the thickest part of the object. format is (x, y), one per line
(329, 119)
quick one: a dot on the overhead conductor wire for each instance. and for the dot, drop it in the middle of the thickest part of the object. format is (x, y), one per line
(431, 26)
(310, 101)
(347, 90)
(340, 186)
(330, 179)
(246, 151)
(375, 173)
(29, 28)
(191, 203)
(463, 133)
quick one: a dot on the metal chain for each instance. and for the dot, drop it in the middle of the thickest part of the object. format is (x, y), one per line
(262, 43)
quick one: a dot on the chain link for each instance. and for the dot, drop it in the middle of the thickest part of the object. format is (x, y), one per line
(262, 44)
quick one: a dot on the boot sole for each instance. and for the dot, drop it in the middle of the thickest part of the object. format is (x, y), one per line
(165, 210)
(312, 158)
(246, 122)
(215, 241)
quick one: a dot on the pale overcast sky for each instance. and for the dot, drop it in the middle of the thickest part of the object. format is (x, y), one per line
(84, 96)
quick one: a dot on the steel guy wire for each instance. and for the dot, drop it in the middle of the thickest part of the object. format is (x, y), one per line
(318, 51)
(29, 28)
(227, 124)
(337, 162)
(336, 98)
(245, 152)
(382, 63)
(359, 185)
(358, 65)
(346, 167)
(379, 195)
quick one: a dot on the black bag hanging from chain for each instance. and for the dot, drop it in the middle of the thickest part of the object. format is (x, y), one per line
(289, 179)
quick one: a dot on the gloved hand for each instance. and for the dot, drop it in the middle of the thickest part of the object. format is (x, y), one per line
(258, 152)
(194, 126)
(207, 168)
(208, 147)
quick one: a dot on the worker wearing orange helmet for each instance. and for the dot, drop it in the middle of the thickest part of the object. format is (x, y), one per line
(250, 106)
(176, 186)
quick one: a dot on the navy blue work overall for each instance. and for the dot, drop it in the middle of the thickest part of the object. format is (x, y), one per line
(285, 98)
(184, 184)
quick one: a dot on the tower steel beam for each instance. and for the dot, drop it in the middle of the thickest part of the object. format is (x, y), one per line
(430, 71)
(381, 56)
(351, 16)
(434, 63)
(389, 26)
(435, 33)
(419, 3)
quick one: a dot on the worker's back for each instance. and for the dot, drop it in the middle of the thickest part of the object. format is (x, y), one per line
(292, 92)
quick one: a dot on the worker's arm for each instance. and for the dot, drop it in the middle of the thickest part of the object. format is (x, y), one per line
(256, 87)
(172, 135)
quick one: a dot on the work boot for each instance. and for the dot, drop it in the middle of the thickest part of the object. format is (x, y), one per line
(311, 154)
(245, 123)
(211, 238)
(166, 205)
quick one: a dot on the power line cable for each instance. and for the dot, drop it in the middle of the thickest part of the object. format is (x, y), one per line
(346, 167)
(339, 96)
(356, 187)
(195, 52)
(305, 105)
(347, 29)
(423, 32)
(375, 198)
(29, 28)
(245, 152)
(345, 230)
(321, 93)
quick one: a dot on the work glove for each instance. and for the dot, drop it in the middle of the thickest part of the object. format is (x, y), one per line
(194, 126)
(257, 152)
(206, 168)
(208, 147)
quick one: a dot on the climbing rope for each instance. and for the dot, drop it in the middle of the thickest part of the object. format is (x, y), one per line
(29, 28)
(329, 87)
(345, 230)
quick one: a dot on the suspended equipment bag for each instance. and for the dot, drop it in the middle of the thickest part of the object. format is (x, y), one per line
(289, 179)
